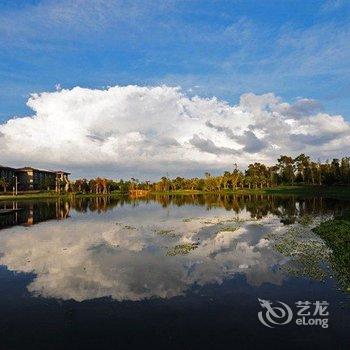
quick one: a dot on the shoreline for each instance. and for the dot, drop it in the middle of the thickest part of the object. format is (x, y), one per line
(48, 195)
(336, 192)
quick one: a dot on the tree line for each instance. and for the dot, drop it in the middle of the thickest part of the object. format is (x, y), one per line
(287, 171)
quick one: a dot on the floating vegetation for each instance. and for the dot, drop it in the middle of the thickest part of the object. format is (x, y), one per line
(308, 253)
(269, 236)
(187, 219)
(168, 233)
(306, 220)
(336, 234)
(258, 224)
(222, 221)
(164, 232)
(182, 249)
(128, 227)
(230, 228)
(234, 220)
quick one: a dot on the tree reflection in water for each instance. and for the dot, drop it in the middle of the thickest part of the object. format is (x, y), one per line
(288, 208)
(137, 248)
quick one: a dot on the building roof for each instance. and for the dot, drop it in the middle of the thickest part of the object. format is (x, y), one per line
(26, 168)
(7, 167)
(61, 172)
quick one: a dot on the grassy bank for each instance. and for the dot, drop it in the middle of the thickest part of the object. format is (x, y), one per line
(339, 192)
(336, 234)
(53, 195)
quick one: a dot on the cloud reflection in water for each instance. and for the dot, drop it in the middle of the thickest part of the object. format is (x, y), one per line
(86, 259)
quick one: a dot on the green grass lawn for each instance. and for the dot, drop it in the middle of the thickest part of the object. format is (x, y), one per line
(336, 234)
(340, 192)
(48, 195)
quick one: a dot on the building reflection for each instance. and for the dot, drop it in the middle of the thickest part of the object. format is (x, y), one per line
(288, 208)
(30, 213)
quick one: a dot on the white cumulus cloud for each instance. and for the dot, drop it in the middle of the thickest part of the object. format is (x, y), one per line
(148, 131)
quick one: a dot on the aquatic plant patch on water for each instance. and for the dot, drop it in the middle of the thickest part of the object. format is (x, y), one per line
(336, 234)
(233, 220)
(187, 219)
(167, 233)
(309, 254)
(306, 220)
(223, 221)
(164, 232)
(182, 249)
(211, 222)
(230, 228)
(257, 224)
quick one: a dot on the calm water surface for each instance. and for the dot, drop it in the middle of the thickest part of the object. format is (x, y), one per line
(175, 272)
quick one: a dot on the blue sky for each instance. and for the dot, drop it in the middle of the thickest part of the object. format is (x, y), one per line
(283, 68)
(210, 48)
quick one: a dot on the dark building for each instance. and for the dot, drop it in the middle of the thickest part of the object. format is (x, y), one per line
(29, 178)
(8, 174)
(39, 179)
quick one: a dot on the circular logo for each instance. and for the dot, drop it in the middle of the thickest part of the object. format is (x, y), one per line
(274, 313)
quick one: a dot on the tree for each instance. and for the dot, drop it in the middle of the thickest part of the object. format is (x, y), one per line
(335, 171)
(302, 165)
(286, 167)
(273, 175)
(235, 176)
(4, 184)
(47, 183)
(178, 183)
(301, 169)
(248, 181)
(345, 170)
(78, 185)
(258, 174)
(226, 179)
(211, 183)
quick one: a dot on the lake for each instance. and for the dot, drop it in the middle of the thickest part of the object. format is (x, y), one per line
(170, 272)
